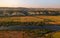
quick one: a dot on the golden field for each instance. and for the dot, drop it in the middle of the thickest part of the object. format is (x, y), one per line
(47, 19)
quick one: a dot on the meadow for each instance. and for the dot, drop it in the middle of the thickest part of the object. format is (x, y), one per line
(46, 19)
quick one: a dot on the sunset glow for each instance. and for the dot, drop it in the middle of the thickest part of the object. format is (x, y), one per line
(30, 3)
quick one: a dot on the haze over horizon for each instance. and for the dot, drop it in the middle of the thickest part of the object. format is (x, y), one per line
(30, 3)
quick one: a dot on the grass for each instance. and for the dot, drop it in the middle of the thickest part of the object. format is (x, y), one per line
(56, 35)
(47, 19)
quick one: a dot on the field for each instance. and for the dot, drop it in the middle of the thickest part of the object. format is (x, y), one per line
(46, 19)
(28, 34)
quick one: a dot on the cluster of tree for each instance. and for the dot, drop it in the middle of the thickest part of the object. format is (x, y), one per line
(22, 23)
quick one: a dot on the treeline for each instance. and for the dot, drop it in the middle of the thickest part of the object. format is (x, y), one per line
(22, 23)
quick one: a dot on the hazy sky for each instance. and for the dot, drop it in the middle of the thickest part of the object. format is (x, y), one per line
(30, 3)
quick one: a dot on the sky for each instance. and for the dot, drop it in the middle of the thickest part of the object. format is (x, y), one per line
(30, 3)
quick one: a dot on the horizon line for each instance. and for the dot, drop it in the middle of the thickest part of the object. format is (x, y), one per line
(28, 7)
